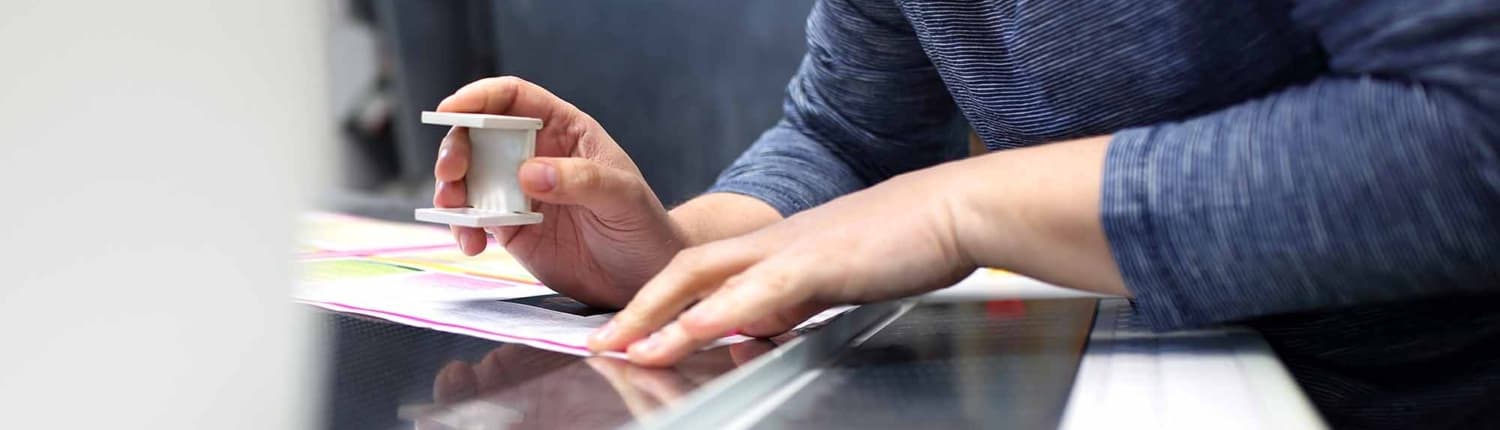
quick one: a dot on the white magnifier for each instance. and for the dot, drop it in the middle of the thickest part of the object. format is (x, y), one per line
(498, 144)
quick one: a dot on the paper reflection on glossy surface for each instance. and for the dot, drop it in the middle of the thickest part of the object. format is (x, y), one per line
(517, 387)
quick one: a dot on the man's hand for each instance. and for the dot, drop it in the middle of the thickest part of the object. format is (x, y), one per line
(1034, 210)
(893, 240)
(604, 232)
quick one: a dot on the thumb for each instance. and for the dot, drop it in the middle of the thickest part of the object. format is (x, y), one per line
(604, 190)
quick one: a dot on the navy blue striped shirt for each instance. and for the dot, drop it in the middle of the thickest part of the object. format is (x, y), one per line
(1295, 165)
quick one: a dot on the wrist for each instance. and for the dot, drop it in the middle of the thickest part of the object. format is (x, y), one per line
(982, 210)
(1035, 210)
(716, 216)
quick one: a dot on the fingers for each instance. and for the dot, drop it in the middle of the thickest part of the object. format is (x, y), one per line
(453, 194)
(743, 352)
(564, 126)
(506, 95)
(758, 289)
(453, 158)
(452, 191)
(503, 234)
(781, 321)
(691, 273)
(642, 390)
(667, 386)
(490, 371)
(456, 382)
(758, 293)
(470, 240)
(606, 191)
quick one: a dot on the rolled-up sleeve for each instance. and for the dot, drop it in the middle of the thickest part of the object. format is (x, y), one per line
(1376, 182)
(866, 104)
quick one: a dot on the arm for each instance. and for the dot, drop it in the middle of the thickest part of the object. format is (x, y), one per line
(866, 104)
(703, 219)
(1378, 182)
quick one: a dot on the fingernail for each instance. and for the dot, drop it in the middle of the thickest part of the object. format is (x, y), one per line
(542, 175)
(604, 332)
(463, 242)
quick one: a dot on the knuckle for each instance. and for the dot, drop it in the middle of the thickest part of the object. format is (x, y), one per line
(577, 128)
(687, 258)
(626, 317)
(507, 80)
(584, 177)
(626, 320)
(636, 189)
(734, 283)
(698, 331)
(692, 263)
(774, 282)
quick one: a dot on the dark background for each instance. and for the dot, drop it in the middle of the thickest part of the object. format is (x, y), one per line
(684, 86)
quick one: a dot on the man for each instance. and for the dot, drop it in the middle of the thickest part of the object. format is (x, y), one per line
(1325, 171)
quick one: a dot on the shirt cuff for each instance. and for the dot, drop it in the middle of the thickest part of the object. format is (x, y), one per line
(1144, 261)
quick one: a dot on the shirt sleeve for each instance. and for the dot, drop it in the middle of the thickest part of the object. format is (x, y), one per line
(866, 104)
(1376, 182)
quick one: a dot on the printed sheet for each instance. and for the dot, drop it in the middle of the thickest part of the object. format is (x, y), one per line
(413, 274)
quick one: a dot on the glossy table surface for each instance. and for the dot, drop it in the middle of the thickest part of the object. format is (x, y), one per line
(954, 365)
(384, 375)
(951, 365)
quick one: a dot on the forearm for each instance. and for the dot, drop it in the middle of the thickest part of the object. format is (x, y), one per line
(1036, 211)
(1043, 220)
(716, 216)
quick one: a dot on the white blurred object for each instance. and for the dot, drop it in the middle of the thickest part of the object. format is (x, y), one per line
(1223, 378)
(154, 158)
(992, 284)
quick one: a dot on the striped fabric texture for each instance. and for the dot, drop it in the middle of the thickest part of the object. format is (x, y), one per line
(1327, 171)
